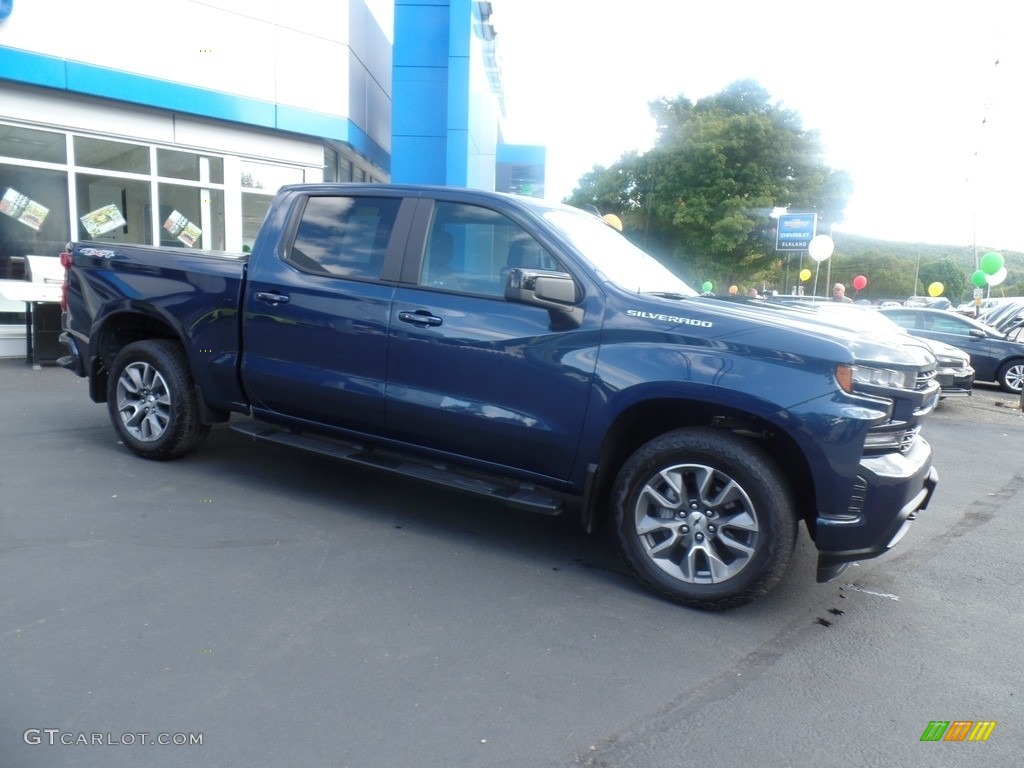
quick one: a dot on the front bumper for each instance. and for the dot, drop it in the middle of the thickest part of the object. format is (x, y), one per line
(891, 489)
(955, 383)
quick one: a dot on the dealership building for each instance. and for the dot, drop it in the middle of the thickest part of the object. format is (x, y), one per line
(174, 123)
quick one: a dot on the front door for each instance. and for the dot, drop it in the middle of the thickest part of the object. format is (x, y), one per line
(473, 374)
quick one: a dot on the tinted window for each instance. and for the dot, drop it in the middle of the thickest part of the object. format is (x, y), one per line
(344, 236)
(471, 249)
(906, 319)
(951, 324)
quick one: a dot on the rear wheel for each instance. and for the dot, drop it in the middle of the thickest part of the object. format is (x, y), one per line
(704, 518)
(1011, 376)
(151, 400)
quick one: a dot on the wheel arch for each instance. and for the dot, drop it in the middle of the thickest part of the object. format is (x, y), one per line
(1001, 371)
(115, 331)
(646, 420)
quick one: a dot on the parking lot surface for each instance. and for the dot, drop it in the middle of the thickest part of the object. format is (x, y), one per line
(252, 606)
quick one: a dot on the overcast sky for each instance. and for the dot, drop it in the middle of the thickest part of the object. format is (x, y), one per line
(907, 95)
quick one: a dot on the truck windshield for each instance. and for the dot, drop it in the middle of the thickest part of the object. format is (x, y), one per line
(614, 256)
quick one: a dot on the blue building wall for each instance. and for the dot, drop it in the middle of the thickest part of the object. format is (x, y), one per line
(427, 76)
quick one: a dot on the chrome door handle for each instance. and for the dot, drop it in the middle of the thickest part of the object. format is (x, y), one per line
(272, 298)
(419, 317)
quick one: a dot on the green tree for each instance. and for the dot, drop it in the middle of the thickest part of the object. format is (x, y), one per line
(705, 193)
(954, 279)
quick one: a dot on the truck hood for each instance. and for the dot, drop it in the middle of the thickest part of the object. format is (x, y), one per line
(777, 326)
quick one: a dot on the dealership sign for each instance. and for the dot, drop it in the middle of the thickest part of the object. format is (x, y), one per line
(795, 231)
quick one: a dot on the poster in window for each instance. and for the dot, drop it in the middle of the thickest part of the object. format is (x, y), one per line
(103, 220)
(182, 228)
(21, 207)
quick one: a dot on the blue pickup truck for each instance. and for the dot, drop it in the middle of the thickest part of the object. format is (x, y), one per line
(527, 352)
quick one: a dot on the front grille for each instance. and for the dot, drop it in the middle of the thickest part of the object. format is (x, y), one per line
(924, 378)
(907, 439)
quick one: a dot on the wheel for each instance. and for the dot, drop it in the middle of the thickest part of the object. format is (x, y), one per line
(151, 401)
(1011, 376)
(704, 518)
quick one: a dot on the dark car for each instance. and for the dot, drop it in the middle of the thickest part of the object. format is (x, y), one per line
(954, 372)
(1003, 315)
(994, 356)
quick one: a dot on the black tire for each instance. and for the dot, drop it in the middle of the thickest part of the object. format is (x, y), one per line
(152, 402)
(688, 540)
(1011, 376)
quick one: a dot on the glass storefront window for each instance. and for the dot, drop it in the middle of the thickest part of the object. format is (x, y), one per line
(330, 164)
(254, 210)
(203, 208)
(111, 155)
(33, 216)
(117, 209)
(29, 144)
(269, 178)
(187, 165)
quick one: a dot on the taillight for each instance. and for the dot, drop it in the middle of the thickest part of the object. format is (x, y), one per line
(65, 261)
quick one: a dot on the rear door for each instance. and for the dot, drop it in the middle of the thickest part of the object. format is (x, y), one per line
(473, 374)
(316, 313)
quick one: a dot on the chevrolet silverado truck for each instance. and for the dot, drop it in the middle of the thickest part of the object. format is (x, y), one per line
(527, 352)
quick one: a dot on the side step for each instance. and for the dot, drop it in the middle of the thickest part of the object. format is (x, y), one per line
(520, 495)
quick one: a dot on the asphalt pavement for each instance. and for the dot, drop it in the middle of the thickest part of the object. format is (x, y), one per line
(254, 606)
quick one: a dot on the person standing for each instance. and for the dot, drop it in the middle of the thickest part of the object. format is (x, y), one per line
(839, 294)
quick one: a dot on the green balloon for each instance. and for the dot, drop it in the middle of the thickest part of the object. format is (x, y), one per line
(707, 286)
(980, 279)
(991, 262)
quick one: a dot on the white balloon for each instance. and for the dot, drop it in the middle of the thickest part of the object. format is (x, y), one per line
(821, 247)
(997, 278)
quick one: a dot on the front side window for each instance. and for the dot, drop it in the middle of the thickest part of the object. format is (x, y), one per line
(471, 249)
(344, 236)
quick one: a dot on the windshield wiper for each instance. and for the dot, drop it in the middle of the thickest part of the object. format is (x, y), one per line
(665, 295)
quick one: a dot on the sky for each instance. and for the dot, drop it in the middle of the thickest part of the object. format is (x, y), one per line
(921, 103)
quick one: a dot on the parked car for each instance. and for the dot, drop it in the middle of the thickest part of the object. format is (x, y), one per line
(1003, 314)
(976, 308)
(954, 372)
(993, 356)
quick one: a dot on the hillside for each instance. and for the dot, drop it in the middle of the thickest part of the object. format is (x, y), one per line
(891, 267)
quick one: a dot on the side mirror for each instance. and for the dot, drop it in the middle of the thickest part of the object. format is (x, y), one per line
(555, 291)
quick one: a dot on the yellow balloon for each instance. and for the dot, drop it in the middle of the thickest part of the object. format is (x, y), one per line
(805, 275)
(936, 289)
(613, 221)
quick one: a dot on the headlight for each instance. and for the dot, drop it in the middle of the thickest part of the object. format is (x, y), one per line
(884, 377)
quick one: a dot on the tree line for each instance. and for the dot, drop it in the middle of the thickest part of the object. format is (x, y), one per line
(703, 198)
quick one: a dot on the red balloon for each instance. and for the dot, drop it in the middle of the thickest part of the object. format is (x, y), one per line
(859, 282)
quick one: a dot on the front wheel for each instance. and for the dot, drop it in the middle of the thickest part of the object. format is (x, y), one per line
(151, 401)
(704, 518)
(1011, 376)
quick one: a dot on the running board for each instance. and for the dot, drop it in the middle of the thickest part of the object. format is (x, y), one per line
(520, 495)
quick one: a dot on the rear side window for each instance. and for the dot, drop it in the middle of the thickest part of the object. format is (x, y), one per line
(344, 236)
